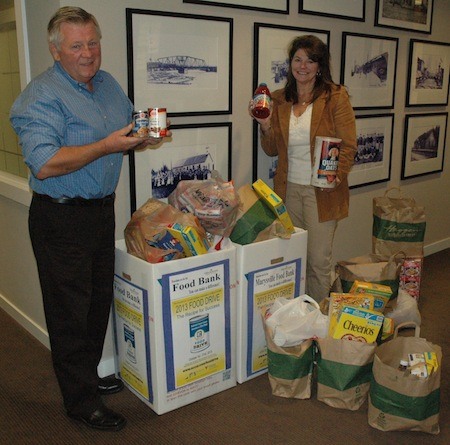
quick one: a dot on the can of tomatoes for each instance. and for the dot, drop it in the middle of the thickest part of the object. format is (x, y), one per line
(157, 122)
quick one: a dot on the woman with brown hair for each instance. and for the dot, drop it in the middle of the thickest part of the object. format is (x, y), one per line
(311, 105)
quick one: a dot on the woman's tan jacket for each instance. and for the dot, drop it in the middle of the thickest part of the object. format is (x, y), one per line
(332, 118)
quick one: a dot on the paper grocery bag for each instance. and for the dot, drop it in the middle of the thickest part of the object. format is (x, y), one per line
(289, 368)
(402, 402)
(372, 268)
(398, 225)
(344, 371)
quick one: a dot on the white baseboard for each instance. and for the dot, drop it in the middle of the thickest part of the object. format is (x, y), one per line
(106, 367)
(437, 247)
(25, 321)
(107, 364)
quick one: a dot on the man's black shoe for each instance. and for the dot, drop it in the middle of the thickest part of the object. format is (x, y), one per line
(109, 385)
(102, 419)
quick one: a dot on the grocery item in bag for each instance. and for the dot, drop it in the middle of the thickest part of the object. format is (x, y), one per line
(399, 400)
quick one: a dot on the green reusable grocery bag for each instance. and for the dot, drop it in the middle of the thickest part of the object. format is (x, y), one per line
(344, 370)
(399, 401)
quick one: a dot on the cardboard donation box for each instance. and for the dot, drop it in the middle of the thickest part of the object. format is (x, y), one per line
(266, 270)
(175, 326)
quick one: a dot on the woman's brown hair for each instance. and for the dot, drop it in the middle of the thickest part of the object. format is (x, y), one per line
(318, 52)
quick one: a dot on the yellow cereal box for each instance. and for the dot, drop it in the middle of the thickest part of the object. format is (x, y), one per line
(358, 324)
(275, 203)
(338, 300)
(189, 238)
(381, 292)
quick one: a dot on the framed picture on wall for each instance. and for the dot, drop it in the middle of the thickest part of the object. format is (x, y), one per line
(413, 15)
(424, 144)
(369, 69)
(270, 65)
(179, 62)
(277, 6)
(428, 75)
(374, 150)
(343, 9)
(193, 153)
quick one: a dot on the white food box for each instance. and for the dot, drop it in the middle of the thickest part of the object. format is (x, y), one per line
(174, 326)
(266, 270)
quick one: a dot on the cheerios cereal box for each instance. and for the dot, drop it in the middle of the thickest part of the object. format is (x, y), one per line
(339, 300)
(358, 324)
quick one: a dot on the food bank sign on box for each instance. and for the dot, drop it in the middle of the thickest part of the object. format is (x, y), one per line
(266, 270)
(174, 326)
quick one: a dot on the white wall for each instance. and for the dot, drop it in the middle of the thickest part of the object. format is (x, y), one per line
(19, 286)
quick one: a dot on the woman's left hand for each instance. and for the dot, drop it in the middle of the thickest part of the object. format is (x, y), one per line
(328, 190)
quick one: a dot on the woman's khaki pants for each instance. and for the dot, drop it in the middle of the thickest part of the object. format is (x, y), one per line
(302, 207)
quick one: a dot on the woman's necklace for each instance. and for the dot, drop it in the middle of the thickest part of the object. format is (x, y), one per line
(306, 101)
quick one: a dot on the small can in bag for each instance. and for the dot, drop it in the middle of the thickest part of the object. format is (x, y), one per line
(326, 158)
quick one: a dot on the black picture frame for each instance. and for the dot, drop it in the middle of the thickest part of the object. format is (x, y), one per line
(374, 136)
(343, 9)
(424, 144)
(192, 153)
(173, 64)
(369, 70)
(270, 54)
(275, 6)
(428, 73)
(404, 14)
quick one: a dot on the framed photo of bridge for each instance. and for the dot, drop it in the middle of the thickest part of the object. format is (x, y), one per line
(194, 152)
(424, 144)
(180, 62)
(413, 15)
(344, 9)
(369, 69)
(277, 6)
(428, 77)
(372, 165)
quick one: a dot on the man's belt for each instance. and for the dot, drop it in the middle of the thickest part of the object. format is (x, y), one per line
(107, 200)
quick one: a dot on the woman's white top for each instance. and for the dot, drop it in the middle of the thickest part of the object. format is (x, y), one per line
(299, 151)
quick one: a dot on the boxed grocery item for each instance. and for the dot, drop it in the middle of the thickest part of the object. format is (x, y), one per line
(337, 302)
(381, 292)
(266, 271)
(275, 203)
(175, 326)
(189, 239)
(255, 221)
(358, 325)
